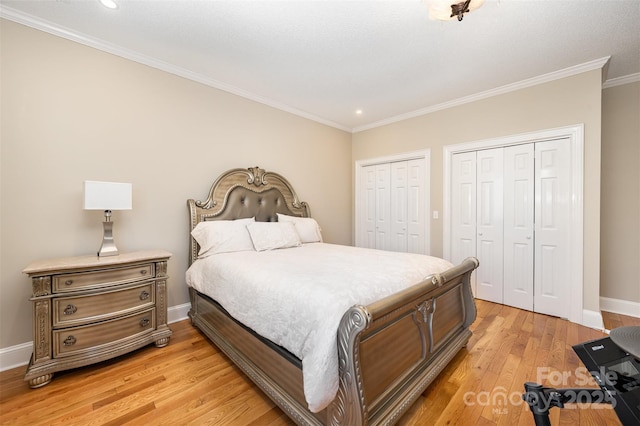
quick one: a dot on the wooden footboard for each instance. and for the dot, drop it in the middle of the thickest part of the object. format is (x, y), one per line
(389, 351)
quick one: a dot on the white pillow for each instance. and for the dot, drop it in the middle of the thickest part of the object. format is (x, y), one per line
(307, 228)
(273, 235)
(222, 236)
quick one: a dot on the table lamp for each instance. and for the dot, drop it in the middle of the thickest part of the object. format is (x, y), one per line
(107, 196)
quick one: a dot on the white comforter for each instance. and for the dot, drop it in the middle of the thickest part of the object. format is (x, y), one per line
(296, 297)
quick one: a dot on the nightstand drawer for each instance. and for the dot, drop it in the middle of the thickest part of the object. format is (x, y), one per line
(77, 310)
(71, 341)
(96, 279)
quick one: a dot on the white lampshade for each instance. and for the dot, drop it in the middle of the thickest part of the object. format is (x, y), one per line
(107, 195)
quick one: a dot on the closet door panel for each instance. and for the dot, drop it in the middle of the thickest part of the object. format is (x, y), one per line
(463, 211)
(383, 206)
(399, 200)
(367, 215)
(518, 225)
(490, 224)
(416, 201)
(552, 224)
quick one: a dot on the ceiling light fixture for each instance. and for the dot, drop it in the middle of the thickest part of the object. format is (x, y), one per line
(111, 4)
(444, 10)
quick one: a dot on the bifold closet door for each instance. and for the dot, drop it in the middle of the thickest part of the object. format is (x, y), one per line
(407, 206)
(477, 218)
(552, 225)
(367, 237)
(377, 219)
(399, 198)
(463, 207)
(489, 224)
(511, 207)
(518, 225)
(383, 206)
(376, 184)
(375, 188)
(417, 213)
(393, 199)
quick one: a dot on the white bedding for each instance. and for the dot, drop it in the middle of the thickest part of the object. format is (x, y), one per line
(296, 297)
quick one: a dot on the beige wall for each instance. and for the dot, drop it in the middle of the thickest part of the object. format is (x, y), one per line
(72, 113)
(620, 208)
(569, 101)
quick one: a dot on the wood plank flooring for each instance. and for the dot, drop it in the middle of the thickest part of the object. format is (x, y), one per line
(190, 382)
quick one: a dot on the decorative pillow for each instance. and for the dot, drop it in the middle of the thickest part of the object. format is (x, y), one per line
(273, 235)
(308, 229)
(222, 236)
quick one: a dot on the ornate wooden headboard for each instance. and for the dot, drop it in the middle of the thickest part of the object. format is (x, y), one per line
(240, 193)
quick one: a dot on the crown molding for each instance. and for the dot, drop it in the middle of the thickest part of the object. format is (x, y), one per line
(626, 79)
(545, 78)
(60, 31)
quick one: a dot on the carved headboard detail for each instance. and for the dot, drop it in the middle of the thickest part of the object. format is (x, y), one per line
(240, 193)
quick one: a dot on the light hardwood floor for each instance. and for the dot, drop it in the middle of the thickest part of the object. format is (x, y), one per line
(191, 382)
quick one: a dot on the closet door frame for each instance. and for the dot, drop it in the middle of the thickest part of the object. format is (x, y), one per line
(425, 156)
(575, 134)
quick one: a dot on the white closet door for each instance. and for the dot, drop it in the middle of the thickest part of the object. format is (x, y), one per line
(367, 237)
(489, 284)
(383, 206)
(399, 195)
(463, 206)
(518, 225)
(552, 224)
(392, 205)
(416, 201)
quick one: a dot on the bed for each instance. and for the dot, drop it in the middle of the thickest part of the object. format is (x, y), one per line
(387, 351)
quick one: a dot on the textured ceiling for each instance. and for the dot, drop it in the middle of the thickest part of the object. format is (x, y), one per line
(326, 59)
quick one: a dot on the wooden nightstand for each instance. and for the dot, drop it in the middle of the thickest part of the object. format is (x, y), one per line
(88, 309)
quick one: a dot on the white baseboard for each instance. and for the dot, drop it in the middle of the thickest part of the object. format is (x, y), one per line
(622, 307)
(19, 355)
(178, 313)
(15, 356)
(592, 319)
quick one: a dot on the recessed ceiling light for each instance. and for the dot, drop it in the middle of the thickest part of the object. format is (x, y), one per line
(111, 4)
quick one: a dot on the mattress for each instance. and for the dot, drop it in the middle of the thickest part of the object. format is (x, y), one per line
(296, 297)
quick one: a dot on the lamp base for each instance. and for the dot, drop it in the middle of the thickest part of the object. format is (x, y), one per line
(108, 247)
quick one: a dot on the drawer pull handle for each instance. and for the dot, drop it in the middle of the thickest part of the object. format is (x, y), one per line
(144, 295)
(68, 282)
(143, 271)
(70, 310)
(69, 341)
(144, 322)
